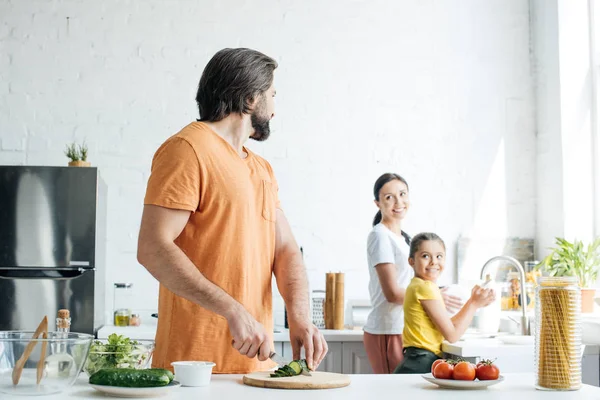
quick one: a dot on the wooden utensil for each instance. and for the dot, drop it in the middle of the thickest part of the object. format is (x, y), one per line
(318, 380)
(329, 299)
(20, 364)
(338, 302)
(40, 364)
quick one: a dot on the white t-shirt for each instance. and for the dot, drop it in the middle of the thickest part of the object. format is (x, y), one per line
(384, 246)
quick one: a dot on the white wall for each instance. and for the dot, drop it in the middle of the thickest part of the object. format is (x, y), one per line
(440, 92)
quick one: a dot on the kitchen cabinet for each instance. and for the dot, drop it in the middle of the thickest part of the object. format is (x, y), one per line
(342, 357)
(354, 359)
(590, 366)
(332, 361)
(278, 348)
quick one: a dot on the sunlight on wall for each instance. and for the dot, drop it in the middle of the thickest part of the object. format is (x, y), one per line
(490, 226)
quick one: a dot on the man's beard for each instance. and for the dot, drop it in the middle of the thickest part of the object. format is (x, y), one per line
(262, 130)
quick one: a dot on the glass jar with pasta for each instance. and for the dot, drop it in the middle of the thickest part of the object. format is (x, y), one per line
(558, 334)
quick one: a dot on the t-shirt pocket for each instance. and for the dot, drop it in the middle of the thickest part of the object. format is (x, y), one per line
(269, 201)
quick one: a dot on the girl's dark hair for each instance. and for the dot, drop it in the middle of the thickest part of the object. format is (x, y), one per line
(232, 79)
(423, 237)
(382, 180)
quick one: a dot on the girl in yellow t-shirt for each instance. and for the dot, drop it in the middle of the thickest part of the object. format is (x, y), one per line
(426, 321)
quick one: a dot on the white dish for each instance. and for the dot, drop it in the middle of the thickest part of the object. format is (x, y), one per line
(193, 373)
(136, 392)
(464, 385)
(517, 339)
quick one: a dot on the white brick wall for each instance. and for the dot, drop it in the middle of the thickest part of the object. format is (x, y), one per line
(440, 92)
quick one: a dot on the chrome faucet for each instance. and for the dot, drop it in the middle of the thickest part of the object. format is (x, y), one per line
(525, 331)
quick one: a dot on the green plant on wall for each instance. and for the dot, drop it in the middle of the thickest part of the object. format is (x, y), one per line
(77, 152)
(83, 151)
(573, 259)
(72, 152)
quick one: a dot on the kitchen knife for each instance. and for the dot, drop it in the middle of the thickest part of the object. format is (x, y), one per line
(281, 362)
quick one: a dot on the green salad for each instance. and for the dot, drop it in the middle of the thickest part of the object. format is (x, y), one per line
(118, 352)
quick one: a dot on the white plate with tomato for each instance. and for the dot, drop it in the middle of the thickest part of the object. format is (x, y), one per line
(453, 374)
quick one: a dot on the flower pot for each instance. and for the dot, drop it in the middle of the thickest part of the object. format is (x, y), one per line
(587, 300)
(79, 164)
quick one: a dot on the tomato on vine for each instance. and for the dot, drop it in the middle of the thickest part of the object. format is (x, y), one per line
(487, 371)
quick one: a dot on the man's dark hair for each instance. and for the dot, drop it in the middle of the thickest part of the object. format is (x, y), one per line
(232, 79)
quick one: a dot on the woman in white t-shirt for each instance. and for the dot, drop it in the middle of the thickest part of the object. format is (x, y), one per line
(389, 274)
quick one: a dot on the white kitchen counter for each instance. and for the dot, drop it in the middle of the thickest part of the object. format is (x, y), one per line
(148, 331)
(519, 386)
(486, 348)
(331, 335)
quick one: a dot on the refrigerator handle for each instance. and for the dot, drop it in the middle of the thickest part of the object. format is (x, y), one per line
(43, 273)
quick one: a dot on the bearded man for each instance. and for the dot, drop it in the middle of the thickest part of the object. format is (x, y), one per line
(213, 232)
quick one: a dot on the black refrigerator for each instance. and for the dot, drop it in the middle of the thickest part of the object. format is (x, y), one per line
(52, 246)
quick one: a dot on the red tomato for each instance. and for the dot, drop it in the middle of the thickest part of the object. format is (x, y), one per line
(435, 363)
(464, 371)
(487, 371)
(443, 370)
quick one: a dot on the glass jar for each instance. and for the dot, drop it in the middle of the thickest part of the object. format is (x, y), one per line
(123, 294)
(530, 289)
(558, 334)
(506, 299)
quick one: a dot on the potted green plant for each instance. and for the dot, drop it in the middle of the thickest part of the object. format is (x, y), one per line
(78, 155)
(575, 259)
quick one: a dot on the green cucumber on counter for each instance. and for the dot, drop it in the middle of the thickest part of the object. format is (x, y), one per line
(166, 371)
(292, 369)
(129, 377)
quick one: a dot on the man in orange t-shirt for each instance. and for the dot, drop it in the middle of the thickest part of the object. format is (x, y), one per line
(213, 232)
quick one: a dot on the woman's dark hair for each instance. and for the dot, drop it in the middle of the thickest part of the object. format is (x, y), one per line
(232, 79)
(382, 180)
(423, 237)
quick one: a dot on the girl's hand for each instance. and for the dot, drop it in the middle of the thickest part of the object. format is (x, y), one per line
(482, 297)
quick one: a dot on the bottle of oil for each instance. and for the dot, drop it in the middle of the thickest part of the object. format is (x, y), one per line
(122, 303)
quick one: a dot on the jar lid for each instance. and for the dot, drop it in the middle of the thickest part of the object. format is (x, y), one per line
(549, 281)
(135, 315)
(513, 275)
(64, 314)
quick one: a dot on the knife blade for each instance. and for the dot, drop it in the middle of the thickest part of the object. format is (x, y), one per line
(281, 362)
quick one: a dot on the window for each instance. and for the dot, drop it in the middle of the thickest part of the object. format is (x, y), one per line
(595, 117)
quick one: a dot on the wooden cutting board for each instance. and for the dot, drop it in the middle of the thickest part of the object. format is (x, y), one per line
(318, 380)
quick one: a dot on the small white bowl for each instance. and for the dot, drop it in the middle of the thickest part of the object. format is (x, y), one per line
(193, 373)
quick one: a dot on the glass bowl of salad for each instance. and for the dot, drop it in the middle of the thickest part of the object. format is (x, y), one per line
(118, 352)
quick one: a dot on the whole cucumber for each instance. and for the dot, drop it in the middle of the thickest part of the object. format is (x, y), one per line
(128, 377)
(166, 371)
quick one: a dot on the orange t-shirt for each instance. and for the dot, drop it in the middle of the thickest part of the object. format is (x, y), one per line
(230, 238)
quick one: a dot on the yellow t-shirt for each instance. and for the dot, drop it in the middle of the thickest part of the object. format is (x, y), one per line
(419, 329)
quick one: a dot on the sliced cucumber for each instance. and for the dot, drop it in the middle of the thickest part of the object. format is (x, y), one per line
(303, 364)
(292, 369)
(289, 370)
(295, 365)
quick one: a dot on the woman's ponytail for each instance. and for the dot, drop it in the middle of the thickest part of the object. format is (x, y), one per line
(377, 218)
